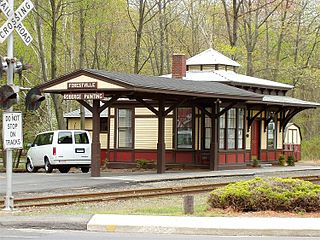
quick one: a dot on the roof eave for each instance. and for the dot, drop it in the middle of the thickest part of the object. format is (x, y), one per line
(284, 104)
(237, 84)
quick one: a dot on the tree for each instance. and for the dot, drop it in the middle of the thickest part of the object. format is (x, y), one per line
(145, 14)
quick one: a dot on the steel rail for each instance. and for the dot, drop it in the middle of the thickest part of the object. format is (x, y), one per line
(66, 199)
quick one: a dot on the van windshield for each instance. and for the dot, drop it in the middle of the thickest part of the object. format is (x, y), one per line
(81, 138)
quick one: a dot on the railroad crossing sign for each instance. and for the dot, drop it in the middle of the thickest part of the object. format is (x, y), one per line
(15, 21)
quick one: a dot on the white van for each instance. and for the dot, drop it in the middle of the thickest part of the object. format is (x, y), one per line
(61, 149)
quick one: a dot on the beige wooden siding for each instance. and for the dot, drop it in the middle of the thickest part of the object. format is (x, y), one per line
(263, 136)
(103, 139)
(146, 133)
(168, 133)
(143, 111)
(74, 123)
(292, 135)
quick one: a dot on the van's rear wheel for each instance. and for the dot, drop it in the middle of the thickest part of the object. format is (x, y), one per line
(85, 169)
(64, 169)
(47, 166)
(30, 168)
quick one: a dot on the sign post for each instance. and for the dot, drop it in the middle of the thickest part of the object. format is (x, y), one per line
(6, 32)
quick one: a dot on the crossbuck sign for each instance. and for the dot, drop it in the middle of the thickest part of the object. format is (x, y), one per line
(15, 21)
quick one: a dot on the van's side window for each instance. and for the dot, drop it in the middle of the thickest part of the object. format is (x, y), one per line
(81, 138)
(48, 138)
(65, 138)
(36, 141)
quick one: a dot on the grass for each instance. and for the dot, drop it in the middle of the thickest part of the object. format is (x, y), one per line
(21, 167)
(166, 205)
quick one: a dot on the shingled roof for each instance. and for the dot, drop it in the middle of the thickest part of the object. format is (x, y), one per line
(142, 83)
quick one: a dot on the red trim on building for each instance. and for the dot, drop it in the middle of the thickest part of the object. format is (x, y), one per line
(225, 158)
(184, 157)
(231, 158)
(292, 150)
(241, 158)
(222, 158)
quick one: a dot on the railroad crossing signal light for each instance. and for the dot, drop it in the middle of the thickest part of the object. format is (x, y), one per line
(33, 99)
(8, 96)
(19, 66)
(3, 66)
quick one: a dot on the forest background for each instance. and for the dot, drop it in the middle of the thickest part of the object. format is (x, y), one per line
(272, 39)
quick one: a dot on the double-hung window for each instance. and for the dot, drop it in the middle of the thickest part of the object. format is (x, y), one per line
(271, 135)
(232, 126)
(207, 131)
(184, 128)
(231, 133)
(240, 128)
(124, 128)
(222, 133)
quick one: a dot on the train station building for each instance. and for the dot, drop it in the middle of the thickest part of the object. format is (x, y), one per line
(203, 114)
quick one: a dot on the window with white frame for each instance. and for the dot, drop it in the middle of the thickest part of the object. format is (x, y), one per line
(232, 126)
(124, 128)
(207, 132)
(240, 128)
(271, 135)
(222, 133)
(184, 128)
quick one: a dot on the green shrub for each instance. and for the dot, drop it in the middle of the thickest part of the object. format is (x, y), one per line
(260, 194)
(255, 161)
(142, 164)
(282, 160)
(290, 161)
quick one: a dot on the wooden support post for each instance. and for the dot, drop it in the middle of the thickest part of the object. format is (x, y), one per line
(95, 149)
(214, 145)
(161, 157)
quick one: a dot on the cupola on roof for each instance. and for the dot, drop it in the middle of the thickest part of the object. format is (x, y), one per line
(211, 57)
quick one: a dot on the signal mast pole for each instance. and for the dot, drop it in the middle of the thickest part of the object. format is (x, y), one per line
(9, 197)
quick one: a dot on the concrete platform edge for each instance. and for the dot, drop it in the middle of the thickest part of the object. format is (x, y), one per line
(205, 225)
(67, 222)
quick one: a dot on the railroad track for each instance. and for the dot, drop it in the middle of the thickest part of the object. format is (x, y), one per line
(66, 199)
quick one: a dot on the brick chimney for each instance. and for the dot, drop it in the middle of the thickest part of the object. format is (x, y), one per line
(178, 66)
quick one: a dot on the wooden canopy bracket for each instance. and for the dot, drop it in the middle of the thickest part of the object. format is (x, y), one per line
(219, 113)
(86, 105)
(205, 111)
(147, 105)
(174, 106)
(250, 120)
(289, 116)
(109, 103)
(268, 120)
(226, 109)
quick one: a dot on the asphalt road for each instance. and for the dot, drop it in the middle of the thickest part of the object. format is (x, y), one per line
(21, 234)
(43, 182)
